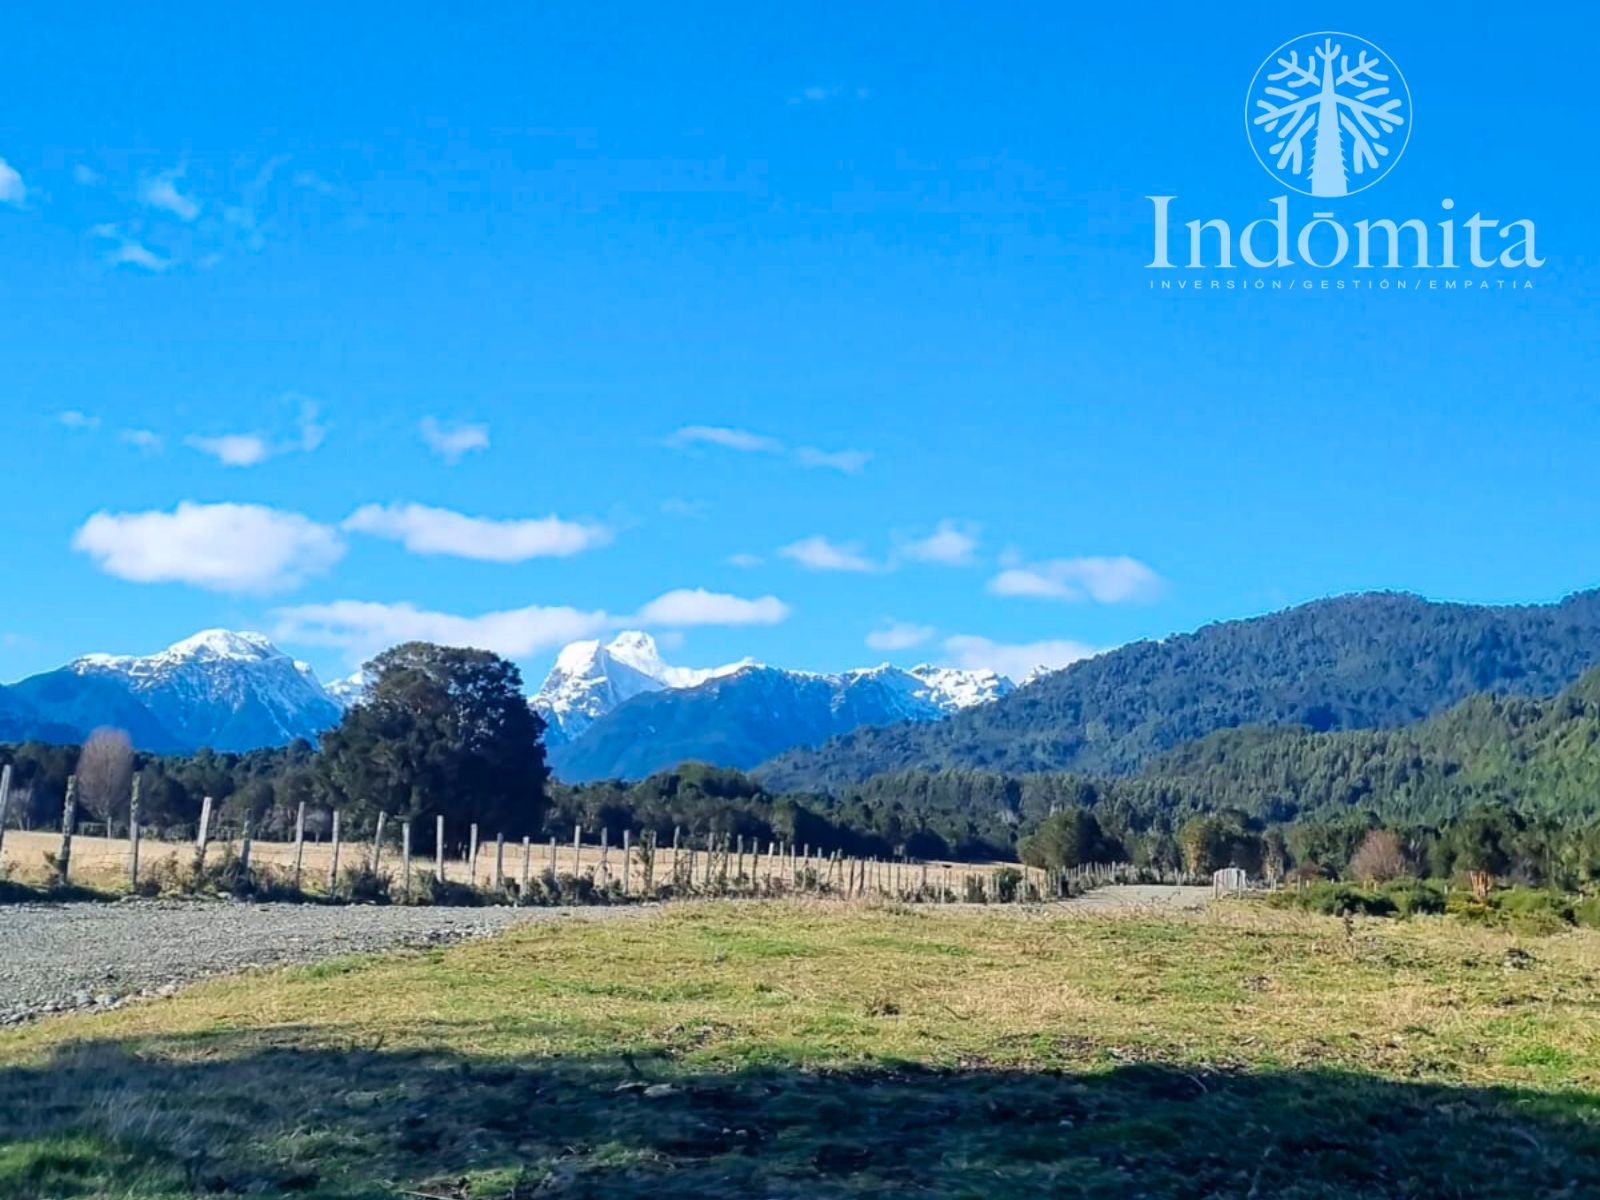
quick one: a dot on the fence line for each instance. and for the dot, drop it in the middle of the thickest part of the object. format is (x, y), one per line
(599, 868)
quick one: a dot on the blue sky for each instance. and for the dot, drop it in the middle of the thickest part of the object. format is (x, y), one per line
(804, 324)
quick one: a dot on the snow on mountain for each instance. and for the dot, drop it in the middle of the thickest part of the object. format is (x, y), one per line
(590, 679)
(618, 710)
(350, 690)
(219, 688)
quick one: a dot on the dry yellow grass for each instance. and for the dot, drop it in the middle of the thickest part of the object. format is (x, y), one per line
(99, 862)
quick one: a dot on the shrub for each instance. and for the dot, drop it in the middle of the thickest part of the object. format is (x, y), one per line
(1533, 910)
(1586, 912)
(1413, 896)
(360, 884)
(1337, 900)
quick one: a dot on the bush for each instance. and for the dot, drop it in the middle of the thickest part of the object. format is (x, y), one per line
(360, 884)
(1337, 900)
(1586, 912)
(1414, 896)
(1533, 910)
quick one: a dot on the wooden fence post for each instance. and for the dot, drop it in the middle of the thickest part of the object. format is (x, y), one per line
(405, 859)
(552, 860)
(577, 849)
(5, 803)
(472, 855)
(377, 847)
(69, 816)
(244, 849)
(333, 859)
(605, 855)
(677, 830)
(299, 841)
(438, 848)
(133, 832)
(527, 868)
(499, 862)
(203, 836)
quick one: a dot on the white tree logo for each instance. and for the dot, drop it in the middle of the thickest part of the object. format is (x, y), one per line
(1328, 114)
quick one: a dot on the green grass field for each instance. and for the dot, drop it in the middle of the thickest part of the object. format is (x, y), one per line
(732, 1050)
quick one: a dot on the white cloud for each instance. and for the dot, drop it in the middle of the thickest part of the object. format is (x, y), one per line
(1119, 580)
(745, 561)
(729, 439)
(363, 628)
(692, 510)
(1016, 660)
(222, 547)
(952, 544)
(143, 439)
(851, 462)
(425, 530)
(234, 449)
(252, 449)
(309, 428)
(453, 442)
(73, 419)
(696, 606)
(162, 193)
(130, 253)
(899, 635)
(12, 189)
(817, 553)
(85, 175)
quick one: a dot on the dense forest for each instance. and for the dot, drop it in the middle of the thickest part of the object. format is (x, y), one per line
(1353, 662)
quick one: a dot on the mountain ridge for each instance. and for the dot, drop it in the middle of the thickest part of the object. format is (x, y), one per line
(1365, 660)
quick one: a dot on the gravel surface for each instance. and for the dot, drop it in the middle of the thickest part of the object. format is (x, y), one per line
(60, 957)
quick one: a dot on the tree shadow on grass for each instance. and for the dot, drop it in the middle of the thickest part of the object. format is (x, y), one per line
(233, 1114)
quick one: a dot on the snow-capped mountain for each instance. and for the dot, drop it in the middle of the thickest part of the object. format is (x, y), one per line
(225, 690)
(352, 689)
(618, 711)
(590, 679)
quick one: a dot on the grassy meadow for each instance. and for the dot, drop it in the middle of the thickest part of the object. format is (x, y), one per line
(788, 1049)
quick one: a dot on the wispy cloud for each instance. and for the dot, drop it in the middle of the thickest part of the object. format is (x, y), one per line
(822, 93)
(144, 439)
(729, 439)
(12, 190)
(696, 606)
(252, 449)
(73, 419)
(85, 176)
(899, 635)
(1118, 580)
(424, 530)
(233, 449)
(161, 192)
(365, 627)
(220, 547)
(951, 544)
(452, 442)
(1016, 660)
(817, 553)
(850, 462)
(128, 251)
(745, 561)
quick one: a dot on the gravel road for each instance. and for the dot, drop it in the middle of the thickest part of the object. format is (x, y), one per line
(59, 957)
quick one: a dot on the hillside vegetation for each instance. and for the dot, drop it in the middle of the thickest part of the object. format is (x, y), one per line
(1367, 661)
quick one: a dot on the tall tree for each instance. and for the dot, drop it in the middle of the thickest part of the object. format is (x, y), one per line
(442, 732)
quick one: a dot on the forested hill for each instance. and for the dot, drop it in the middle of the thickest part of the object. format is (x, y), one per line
(1377, 660)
